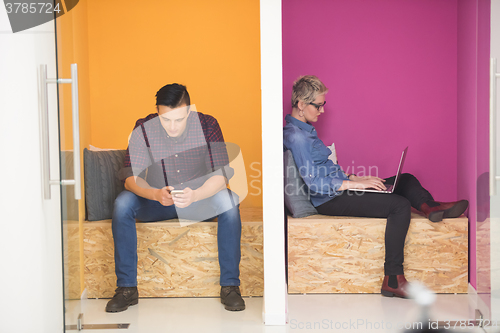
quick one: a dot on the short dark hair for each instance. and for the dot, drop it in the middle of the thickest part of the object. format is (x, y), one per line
(173, 95)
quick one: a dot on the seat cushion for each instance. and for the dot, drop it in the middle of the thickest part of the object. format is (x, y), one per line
(296, 191)
(102, 184)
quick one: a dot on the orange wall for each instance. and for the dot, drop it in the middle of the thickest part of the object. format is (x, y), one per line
(72, 47)
(213, 47)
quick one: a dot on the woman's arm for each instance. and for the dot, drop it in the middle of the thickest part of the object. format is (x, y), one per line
(319, 173)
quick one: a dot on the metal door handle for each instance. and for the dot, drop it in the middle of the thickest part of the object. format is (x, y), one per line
(44, 129)
(44, 133)
(493, 122)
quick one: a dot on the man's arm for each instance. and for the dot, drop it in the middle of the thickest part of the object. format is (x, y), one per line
(140, 187)
(211, 186)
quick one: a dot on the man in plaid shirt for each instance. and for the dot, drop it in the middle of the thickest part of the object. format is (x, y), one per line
(176, 148)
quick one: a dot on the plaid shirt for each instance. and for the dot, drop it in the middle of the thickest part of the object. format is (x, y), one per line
(185, 161)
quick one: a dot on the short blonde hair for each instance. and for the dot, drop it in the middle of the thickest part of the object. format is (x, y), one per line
(306, 88)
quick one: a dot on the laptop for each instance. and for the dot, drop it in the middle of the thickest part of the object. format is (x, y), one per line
(390, 188)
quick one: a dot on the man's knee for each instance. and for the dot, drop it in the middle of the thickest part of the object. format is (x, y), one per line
(228, 207)
(231, 213)
(225, 201)
(125, 203)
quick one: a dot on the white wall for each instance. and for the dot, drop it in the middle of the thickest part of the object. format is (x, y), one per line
(31, 278)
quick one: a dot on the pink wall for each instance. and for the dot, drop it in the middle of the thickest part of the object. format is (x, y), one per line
(466, 111)
(472, 112)
(391, 67)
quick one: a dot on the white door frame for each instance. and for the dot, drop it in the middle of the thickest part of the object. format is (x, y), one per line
(275, 288)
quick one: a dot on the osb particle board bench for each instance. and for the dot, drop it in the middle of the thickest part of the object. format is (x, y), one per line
(174, 261)
(346, 254)
(325, 255)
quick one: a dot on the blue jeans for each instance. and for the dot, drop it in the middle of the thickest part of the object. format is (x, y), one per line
(129, 207)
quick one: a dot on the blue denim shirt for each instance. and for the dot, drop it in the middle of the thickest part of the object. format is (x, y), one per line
(320, 174)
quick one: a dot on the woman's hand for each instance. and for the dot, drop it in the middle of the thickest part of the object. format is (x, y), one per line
(363, 182)
(358, 178)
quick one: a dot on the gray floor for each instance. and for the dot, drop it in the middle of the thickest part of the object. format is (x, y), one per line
(307, 313)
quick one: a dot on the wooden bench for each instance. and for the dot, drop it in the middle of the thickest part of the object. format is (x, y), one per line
(346, 254)
(325, 255)
(173, 261)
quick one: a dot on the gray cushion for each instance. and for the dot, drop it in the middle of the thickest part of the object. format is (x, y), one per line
(296, 191)
(69, 209)
(102, 184)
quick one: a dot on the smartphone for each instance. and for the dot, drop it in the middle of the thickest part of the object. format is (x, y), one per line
(176, 192)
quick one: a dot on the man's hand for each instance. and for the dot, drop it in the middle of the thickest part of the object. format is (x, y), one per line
(185, 199)
(163, 196)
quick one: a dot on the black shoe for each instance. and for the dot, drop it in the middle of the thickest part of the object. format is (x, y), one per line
(231, 298)
(124, 297)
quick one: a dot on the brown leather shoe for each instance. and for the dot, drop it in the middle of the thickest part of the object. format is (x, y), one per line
(400, 291)
(444, 210)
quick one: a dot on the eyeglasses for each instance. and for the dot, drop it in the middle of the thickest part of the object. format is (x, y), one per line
(318, 106)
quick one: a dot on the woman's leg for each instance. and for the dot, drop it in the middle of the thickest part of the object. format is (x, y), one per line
(394, 207)
(409, 187)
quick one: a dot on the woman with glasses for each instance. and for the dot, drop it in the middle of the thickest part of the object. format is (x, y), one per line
(329, 186)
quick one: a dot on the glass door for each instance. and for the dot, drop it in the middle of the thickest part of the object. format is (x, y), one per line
(71, 194)
(59, 124)
(69, 73)
(488, 185)
(494, 176)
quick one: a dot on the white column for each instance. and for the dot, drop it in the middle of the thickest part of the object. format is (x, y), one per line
(275, 289)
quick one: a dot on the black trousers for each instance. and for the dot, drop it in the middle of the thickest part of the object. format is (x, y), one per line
(396, 207)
